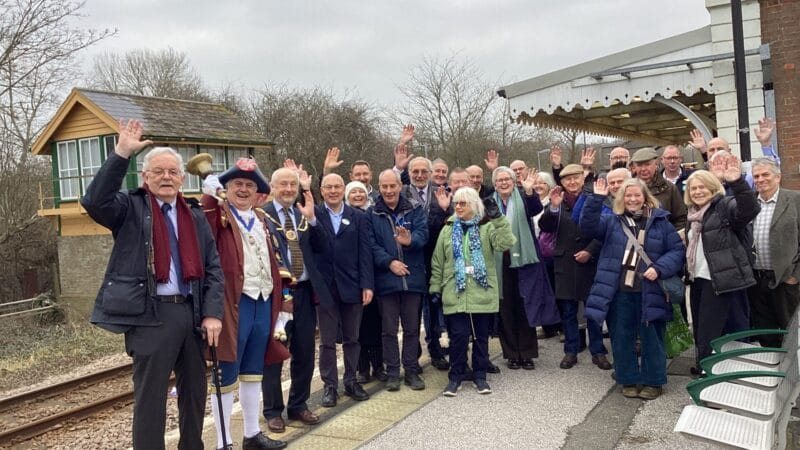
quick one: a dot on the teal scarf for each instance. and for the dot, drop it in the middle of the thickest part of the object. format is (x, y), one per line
(524, 250)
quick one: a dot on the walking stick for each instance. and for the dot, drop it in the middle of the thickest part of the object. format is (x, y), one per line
(216, 374)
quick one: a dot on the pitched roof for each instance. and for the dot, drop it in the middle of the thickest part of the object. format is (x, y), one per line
(163, 119)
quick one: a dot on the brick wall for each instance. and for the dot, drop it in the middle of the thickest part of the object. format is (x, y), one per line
(81, 263)
(780, 28)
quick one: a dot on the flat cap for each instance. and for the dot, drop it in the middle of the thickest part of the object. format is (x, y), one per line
(644, 154)
(571, 169)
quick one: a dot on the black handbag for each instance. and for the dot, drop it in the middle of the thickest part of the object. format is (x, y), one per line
(672, 287)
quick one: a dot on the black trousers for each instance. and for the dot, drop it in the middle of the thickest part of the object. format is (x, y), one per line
(369, 336)
(517, 337)
(461, 327)
(157, 351)
(333, 317)
(716, 315)
(400, 306)
(301, 368)
(772, 308)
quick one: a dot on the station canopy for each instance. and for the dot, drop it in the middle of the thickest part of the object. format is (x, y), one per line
(655, 93)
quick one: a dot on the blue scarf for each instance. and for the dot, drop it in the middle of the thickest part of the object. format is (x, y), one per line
(475, 252)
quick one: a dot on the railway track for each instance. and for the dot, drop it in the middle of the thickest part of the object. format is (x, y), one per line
(30, 414)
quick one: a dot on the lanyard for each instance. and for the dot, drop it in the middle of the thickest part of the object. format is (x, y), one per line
(247, 226)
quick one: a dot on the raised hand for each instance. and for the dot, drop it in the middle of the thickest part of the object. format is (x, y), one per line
(332, 161)
(407, 135)
(555, 156)
(764, 131)
(307, 210)
(733, 169)
(403, 236)
(587, 157)
(697, 140)
(305, 178)
(130, 138)
(401, 156)
(443, 197)
(601, 187)
(290, 164)
(717, 166)
(529, 182)
(556, 197)
(492, 160)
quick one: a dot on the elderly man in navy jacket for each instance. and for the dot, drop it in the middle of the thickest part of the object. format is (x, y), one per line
(346, 265)
(400, 230)
(162, 285)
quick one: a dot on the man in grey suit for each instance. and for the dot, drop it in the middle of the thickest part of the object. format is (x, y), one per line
(776, 233)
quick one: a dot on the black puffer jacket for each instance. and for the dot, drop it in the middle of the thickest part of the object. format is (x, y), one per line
(728, 259)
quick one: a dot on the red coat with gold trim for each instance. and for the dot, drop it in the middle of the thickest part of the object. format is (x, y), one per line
(229, 246)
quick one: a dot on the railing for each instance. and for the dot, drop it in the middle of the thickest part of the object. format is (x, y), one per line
(36, 305)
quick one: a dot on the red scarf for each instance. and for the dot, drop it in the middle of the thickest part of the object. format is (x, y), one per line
(187, 244)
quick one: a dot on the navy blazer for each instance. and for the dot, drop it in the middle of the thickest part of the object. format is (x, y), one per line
(311, 240)
(345, 262)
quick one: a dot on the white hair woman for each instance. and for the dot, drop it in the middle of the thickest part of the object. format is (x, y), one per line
(526, 296)
(463, 274)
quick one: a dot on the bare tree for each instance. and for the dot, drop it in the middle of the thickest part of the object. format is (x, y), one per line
(37, 49)
(304, 123)
(154, 73)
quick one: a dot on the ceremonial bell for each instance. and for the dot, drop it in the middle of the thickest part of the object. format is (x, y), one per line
(200, 165)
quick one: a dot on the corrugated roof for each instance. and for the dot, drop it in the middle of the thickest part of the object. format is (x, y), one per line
(171, 118)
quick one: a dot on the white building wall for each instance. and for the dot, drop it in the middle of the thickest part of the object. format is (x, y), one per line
(725, 97)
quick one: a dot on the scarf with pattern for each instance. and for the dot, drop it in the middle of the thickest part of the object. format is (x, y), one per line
(475, 253)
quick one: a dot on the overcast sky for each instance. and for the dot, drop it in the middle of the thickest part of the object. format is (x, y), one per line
(369, 46)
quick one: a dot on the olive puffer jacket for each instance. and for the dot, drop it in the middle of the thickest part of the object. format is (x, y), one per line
(496, 236)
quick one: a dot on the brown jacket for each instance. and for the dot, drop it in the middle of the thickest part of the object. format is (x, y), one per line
(229, 245)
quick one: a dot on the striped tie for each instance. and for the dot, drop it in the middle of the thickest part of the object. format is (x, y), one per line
(295, 254)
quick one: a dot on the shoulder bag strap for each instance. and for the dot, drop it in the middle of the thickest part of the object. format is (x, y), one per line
(636, 244)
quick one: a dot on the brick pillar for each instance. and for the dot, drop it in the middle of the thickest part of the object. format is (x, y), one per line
(780, 29)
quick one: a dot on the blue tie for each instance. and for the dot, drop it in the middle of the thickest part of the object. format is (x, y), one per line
(175, 254)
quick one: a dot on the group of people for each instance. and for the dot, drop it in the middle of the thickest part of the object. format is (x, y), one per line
(429, 245)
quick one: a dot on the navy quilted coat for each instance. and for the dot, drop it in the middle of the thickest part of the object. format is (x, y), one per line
(662, 244)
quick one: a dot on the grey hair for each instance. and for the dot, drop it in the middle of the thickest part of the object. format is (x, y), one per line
(547, 178)
(280, 172)
(396, 175)
(439, 161)
(156, 151)
(505, 169)
(470, 195)
(417, 159)
(627, 173)
(770, 163)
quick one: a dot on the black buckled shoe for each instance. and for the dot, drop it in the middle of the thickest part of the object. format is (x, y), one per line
(261, 442)
(329, 397)
(492, 368)
(513, 364)
(527, 364)
(356, 392)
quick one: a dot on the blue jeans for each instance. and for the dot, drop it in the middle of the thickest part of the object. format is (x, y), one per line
(569, 320)
(625, 322)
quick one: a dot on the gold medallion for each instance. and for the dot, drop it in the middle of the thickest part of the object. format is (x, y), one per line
(291, 235)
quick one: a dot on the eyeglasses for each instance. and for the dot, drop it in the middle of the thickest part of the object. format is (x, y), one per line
(460, 204)
(420, 172)
(332, 187)
(158, 172)
(503, 180)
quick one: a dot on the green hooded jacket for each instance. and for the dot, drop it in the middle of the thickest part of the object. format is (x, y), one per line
(496, 236)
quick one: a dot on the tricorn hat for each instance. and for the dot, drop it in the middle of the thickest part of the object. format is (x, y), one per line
(246, 168)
